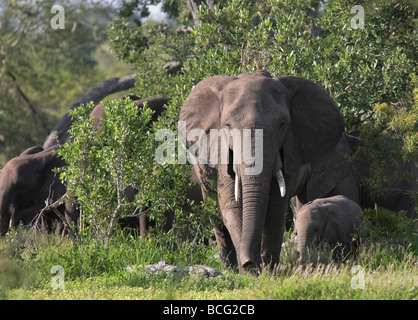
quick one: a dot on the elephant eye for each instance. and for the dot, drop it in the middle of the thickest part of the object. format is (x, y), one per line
(227, 124)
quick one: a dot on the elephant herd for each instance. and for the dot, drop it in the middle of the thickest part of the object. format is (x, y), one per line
(27, 182)
(284, 138)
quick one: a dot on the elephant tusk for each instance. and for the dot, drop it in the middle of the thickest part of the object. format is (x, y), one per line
(237, 188)
(282, 183)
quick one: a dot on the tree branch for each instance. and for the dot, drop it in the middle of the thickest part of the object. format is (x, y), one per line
(32, 108)
(400, 25)
(54, 207)
(137, 213)
(193, 6)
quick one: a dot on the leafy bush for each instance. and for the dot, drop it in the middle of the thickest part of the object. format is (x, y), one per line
(390, 135)
(102, 165)
(358, 67)
(385, 225)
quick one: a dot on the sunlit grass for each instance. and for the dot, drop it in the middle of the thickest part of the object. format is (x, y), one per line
(98, 271)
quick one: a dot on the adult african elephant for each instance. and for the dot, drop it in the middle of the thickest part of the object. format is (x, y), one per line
(26, 182)
(286, 123)
(335, 174)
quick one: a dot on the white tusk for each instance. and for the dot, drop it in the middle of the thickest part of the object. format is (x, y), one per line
(236, 188)
(282, 183)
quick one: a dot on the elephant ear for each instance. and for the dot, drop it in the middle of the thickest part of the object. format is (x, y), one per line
(328, 170)
(47, 160)
(32, 150)
(201, 110)
(316, 122)
(335, 230)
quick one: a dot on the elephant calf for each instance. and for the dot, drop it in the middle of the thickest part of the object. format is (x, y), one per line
(330, 220)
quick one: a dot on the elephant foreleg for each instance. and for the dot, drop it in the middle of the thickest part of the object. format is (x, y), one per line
(274, 226)
(228, 235)
(226, 247)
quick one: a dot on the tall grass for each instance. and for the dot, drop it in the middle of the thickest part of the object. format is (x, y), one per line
(97, 270)
(33, 254)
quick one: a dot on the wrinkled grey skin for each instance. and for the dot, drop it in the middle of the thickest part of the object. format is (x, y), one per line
(334, 174)
(26, 182)
(327, 220)
(299, 122)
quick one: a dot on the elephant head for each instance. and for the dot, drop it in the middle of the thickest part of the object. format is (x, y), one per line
(25, 183)
(284, 123)
(327, 220)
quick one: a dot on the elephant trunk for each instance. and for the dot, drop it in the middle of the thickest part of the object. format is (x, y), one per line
(5, 212)
(254, 212)
(305, 238)
(302, 246)
(255, 197)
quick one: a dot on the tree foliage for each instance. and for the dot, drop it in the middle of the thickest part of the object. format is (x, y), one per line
(369, 72)
(43, 70)
(358, 67)
(104, 168)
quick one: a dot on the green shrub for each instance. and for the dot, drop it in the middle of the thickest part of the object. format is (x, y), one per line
(358, 67)
(384, 225)
(101, 165)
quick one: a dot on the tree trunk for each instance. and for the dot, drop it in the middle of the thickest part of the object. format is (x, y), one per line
(193, 6)
(107, 87)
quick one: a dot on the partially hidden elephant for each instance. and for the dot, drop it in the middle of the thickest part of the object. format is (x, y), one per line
(157, 104)
(26, 182)
(332, 221)
(334, 173)
(285, 123)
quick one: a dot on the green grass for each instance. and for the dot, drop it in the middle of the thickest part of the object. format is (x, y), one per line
(306, 283)
(97, 270)
(334, 284)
